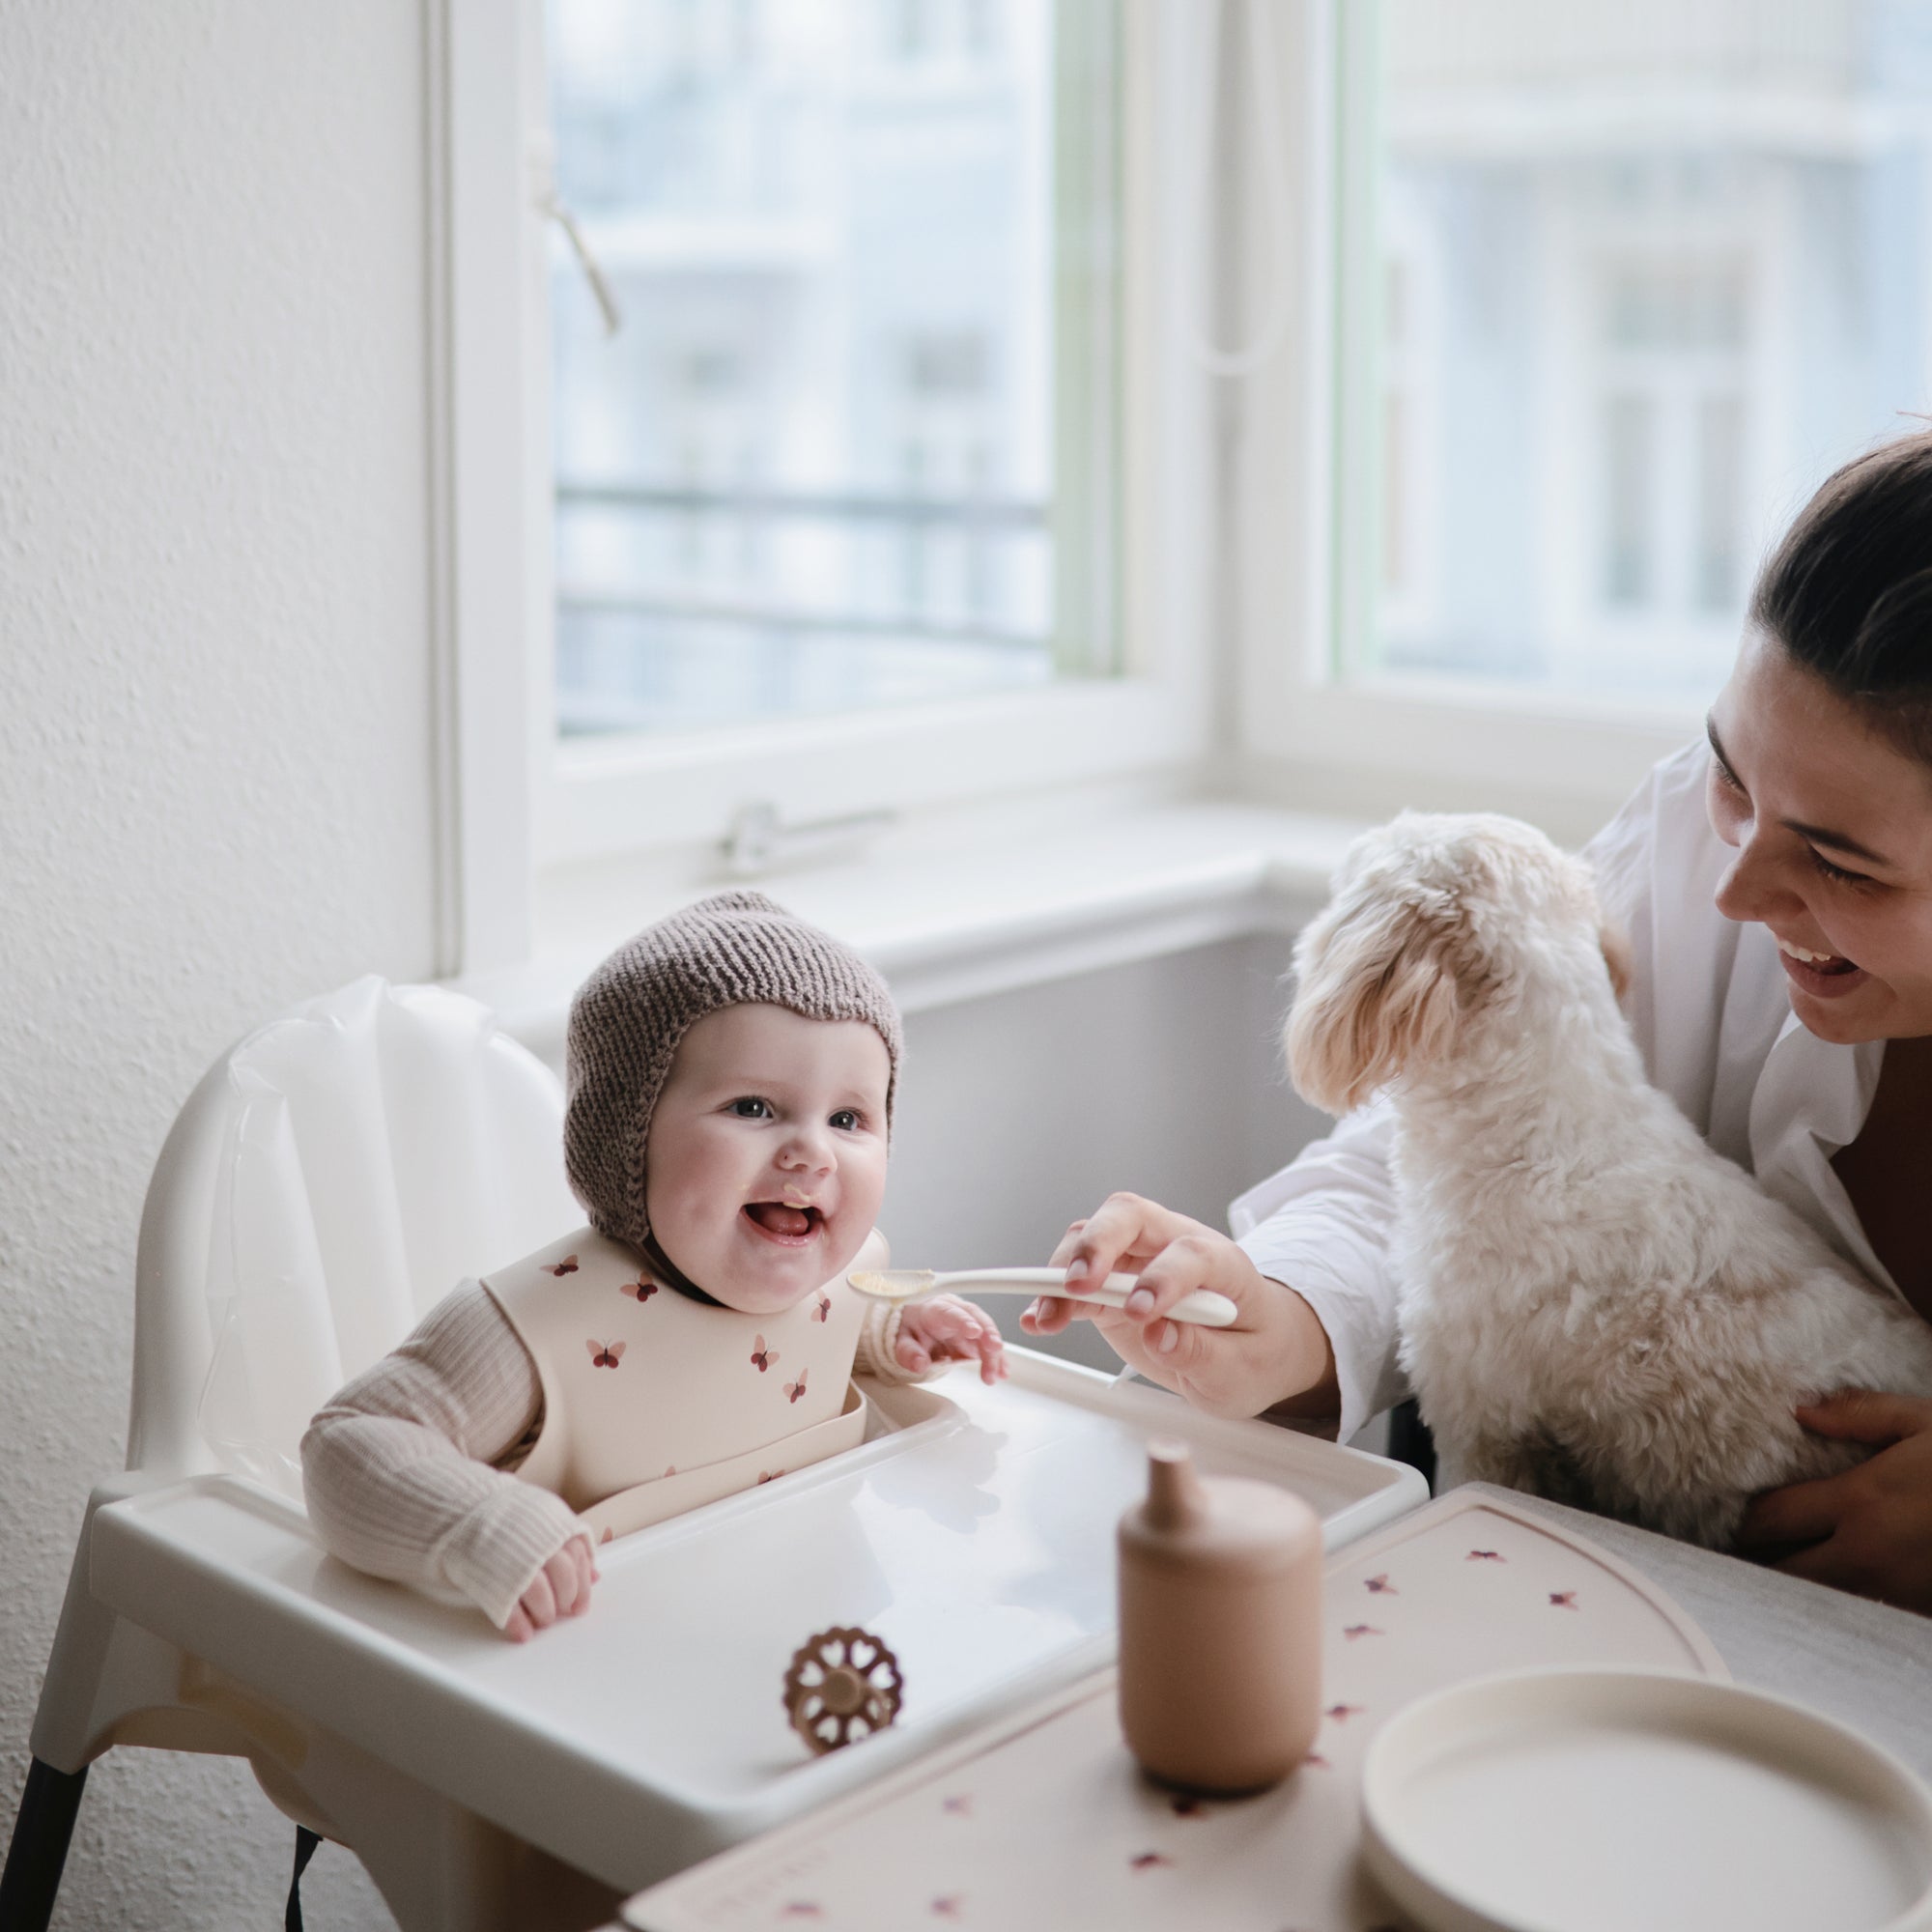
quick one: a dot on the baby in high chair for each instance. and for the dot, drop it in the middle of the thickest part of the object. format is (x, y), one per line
(731, 1077)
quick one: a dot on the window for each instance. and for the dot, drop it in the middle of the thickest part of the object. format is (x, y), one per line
(1619, 287)
(838, 455)
(892, 493)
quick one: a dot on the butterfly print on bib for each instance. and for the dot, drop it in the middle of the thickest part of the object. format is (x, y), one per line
(821, 1309)
(793, 1390)
(567, 1266)
(605, 1354)
(639, 1290)
(762, 1357)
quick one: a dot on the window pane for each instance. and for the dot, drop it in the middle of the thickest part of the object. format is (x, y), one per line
(816, 466)
(1625, 283)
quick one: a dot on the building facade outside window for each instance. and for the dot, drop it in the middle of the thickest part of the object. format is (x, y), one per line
(1638, 279)
(817, 467)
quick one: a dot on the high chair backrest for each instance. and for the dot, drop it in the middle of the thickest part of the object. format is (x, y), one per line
(331, 1177)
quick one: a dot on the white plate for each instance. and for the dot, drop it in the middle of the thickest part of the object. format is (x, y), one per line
(1602, 1801)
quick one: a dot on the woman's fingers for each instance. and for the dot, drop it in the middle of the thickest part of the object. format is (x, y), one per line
(1818, 1563)
(1063, 1253)
(517, 1626)
(1867, 1415)
(1050, 1314)
(1799, 1512)
(1197, 1259)
(1125, 1230)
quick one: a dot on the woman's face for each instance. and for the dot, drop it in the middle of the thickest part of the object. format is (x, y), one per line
(1831, 824)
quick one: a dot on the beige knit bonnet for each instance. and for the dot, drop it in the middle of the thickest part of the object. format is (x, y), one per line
(735, 949)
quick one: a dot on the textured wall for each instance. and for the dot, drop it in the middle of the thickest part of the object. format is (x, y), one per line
(214, 719)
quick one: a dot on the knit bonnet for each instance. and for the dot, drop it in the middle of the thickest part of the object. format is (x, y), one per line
(735, 949)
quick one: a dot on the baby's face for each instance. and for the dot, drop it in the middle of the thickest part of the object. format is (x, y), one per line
(767, 1153)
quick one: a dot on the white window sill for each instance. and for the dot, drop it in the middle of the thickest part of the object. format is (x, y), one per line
(958, 911)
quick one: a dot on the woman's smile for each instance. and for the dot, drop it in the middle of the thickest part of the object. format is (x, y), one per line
(1824, 975)
(1831, 825)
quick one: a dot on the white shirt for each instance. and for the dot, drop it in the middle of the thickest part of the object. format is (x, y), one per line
(1709, 1006)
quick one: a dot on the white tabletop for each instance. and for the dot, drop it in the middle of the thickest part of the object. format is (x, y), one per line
(1866, 1665)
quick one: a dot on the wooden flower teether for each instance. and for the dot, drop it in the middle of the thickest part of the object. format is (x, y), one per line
(842, 1685)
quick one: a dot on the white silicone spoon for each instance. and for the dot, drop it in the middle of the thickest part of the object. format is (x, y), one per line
(1203, 1305)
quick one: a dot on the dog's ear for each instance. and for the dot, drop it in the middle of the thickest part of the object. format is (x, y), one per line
(1617, 958)
(1376, 996)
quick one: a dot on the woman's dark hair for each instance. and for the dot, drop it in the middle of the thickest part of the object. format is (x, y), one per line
(1849, 591)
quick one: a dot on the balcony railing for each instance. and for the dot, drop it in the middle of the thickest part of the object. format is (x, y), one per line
(979, 520)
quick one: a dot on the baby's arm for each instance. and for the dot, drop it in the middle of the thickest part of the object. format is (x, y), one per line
(398, 1477)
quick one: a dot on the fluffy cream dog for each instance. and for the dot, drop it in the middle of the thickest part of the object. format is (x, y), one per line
(1594, 1305)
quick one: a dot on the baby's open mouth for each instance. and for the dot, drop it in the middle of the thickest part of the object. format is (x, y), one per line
(779, 1217)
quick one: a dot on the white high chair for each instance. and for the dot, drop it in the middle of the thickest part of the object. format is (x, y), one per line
(329, 1180)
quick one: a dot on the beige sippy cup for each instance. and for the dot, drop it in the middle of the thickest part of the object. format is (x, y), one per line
(1220, 1628)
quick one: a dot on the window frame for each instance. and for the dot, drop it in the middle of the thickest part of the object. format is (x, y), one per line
(1314, 734)
(514, 804)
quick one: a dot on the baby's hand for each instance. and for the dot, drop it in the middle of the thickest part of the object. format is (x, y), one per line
(946, 1330)
(561, 1589)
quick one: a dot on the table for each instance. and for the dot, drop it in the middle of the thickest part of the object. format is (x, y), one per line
(1040, 1815)
(1864, 1663)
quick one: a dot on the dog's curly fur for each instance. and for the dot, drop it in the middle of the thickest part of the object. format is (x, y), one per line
(1594, 1305)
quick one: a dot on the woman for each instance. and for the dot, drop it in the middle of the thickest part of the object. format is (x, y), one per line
(1776, 886)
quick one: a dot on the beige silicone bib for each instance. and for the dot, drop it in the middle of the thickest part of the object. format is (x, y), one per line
(654, 1403)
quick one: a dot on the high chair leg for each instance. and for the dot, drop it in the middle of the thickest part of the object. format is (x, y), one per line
(38, 1853)
(307, 1843)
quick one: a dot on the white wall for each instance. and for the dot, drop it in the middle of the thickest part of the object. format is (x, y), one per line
(1022, 1112)
(214, 786)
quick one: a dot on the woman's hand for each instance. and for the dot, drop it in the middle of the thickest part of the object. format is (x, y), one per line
(1275, 1348)
(1868, 1529)
(946, 1330)
(561, 1589)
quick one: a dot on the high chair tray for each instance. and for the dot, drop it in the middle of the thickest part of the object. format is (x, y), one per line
(974, 1532)
(1042, 1820)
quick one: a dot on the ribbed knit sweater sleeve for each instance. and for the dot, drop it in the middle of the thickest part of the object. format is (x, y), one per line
(877, 1353)
(878, 1347)
(404, 1470)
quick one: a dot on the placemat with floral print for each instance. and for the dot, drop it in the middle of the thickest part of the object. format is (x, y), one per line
(1043, 1820)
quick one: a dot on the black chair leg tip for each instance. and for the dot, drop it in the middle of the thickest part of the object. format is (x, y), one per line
(305, 1843)
(35, 1857)
(1410, 1440)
